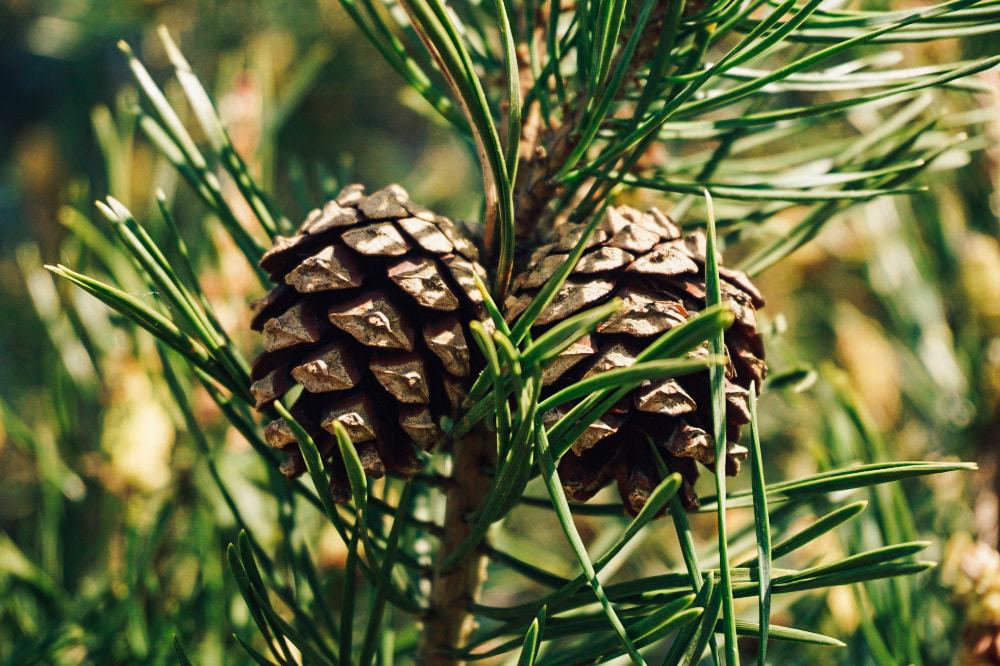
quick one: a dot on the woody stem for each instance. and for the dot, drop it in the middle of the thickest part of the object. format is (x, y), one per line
(449, 620)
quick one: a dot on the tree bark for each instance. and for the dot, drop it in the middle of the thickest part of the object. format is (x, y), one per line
(449, 620)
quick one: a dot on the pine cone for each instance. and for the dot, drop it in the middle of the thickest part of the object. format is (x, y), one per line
(659, 275)
(370, 318)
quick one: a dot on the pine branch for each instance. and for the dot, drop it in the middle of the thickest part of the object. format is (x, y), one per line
(586, 92)
(449, 621)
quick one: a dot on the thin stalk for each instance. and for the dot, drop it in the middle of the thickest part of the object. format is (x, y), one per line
(449, 622)
(717, 346)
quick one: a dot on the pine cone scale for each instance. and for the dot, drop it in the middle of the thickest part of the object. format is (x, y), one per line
(368, 315)
(334, 367)
(658, 273)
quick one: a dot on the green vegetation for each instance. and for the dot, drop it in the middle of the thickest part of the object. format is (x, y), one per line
(843, 156)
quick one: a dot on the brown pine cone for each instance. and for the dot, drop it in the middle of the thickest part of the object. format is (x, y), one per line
(370, 318)
(643, 259)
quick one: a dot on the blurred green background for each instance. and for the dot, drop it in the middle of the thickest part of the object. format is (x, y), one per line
(111, 535)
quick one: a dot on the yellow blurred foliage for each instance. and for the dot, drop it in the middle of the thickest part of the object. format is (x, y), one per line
(139, 434)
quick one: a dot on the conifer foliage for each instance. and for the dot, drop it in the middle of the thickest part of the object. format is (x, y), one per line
(623, 348)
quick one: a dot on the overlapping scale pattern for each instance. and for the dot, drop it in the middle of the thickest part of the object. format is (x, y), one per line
(658, 272)
(369, 317)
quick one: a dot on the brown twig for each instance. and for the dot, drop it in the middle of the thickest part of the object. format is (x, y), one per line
(543, 149)
(449, 621)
